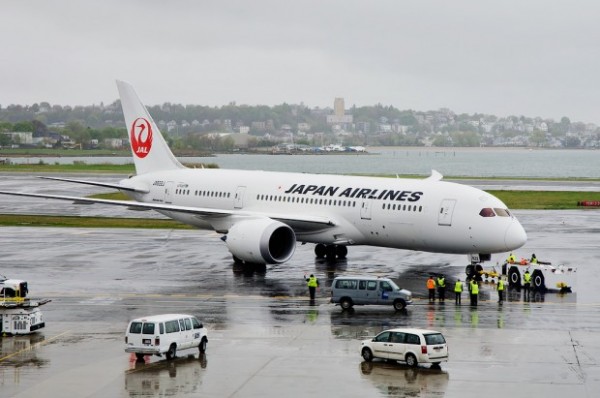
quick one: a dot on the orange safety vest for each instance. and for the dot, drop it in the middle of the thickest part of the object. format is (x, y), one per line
(430, 284)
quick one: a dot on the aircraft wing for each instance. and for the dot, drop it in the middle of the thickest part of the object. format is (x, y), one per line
(98, 184)
(199, 211)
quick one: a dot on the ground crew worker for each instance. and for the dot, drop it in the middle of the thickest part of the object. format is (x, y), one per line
(534, 259)
(500, 288)
(312, 282)
(458, 288)
(511, 259)
(526, 282)
(441, 284)
(474, 292)
(431, 288)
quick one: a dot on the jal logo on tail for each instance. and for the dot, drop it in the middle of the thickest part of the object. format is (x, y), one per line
(141, 137)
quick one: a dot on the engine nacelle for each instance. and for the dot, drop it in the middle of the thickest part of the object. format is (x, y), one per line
(261, 240)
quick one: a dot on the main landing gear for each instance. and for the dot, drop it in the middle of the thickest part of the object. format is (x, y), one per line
(331, 252)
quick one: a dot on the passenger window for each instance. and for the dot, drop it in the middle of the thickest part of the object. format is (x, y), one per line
(172, 326)
(397, 337)
(371, 285)
(362, 285)
(346, 284)
(196, 324)
(181, 325)
(412, 339)
(386, 287)
(162, 328)
(148, 328)
(136, 327)
(188, 324)
(385, 336)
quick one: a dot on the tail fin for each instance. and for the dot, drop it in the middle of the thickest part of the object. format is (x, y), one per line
(148, 147)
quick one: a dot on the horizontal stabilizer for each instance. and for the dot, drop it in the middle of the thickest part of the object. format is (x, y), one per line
(98, 184)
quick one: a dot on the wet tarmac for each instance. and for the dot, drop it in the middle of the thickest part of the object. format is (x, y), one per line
(265, 337)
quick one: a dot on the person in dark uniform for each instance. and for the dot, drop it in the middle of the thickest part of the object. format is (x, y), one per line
(312, 282)
(441, 284)
(474, 292)
(458, 288)
(500, 288)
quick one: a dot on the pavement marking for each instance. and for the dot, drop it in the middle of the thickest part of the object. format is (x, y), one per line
(35, 346)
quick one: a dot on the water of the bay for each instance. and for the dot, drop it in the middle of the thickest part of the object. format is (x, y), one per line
(460, 162)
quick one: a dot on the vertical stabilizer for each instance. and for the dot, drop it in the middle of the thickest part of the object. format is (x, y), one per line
(148, 147)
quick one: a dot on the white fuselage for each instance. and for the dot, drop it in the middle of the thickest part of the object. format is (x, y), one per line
(428, 215)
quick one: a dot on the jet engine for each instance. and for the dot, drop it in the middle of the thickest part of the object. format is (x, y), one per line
(261, 241)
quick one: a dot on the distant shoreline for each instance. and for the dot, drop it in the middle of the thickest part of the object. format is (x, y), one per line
(60, 153)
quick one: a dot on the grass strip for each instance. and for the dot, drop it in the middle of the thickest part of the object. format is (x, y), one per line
(16, 220)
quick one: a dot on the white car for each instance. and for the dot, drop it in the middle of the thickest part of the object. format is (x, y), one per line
(165, 334)
(412, 346)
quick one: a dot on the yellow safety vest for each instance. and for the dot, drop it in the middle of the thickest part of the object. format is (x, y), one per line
(458, 287)
(527, 277)
(474, 288)
(312, 282)
(500, 285)
(441, 282)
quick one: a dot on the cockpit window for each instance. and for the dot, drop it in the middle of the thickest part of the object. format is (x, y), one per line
(502, 212)
(487, 212)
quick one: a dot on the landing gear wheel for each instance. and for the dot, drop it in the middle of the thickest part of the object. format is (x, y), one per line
(470, 271)
(330, 252)
(341, 251)
(172, 352)
(477, 268)
(320, 250)
(538, 280)
(411, 360)
(514, 277)
(367, 354)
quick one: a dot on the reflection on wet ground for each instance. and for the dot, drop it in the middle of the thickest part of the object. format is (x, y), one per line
(397, 380)
(181, 376)
(266, 338)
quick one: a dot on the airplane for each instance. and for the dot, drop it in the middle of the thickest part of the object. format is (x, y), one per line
(262, 215)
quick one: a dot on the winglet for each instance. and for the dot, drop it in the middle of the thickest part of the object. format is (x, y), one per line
(148, 147)
(435, 176)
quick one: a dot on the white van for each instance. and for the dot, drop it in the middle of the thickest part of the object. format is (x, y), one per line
(412, 346)
(165, 334)
(348, 291)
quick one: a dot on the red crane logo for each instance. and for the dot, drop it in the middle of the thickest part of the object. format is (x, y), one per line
(141, 137)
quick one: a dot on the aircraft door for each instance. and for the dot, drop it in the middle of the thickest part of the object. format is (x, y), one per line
(365, 210)
(238, 201)
(168, 192)
(446, 210)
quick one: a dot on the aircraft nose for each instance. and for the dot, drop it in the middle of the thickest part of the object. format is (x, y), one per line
(515, 236)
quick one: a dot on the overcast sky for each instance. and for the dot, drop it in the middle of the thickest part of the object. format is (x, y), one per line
(510, 57)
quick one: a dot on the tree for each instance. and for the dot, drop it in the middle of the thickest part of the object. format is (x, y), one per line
(39, 127)
(23, 127)
(538, 138)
